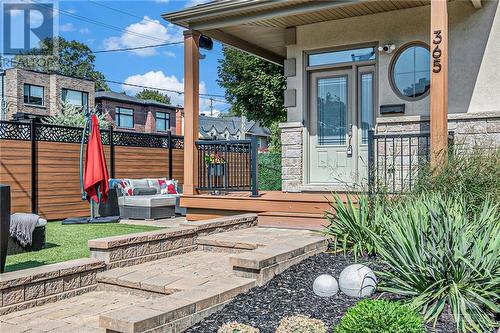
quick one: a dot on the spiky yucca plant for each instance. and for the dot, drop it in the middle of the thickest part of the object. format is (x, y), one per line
(351, 226)
(443, 257)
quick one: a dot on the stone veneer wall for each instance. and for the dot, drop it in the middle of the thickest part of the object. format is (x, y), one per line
(470, 129)
(291, 156)
(27, 288)
(133, 249)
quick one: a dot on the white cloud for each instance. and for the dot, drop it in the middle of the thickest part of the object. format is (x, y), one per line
(84, 31)
(71, 11)
(192, 3)
(158, 79)
(147, 27)
(169, 54)
(67, 27)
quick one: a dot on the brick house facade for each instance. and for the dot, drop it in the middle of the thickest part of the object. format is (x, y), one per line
(18, 80)
(112, 102)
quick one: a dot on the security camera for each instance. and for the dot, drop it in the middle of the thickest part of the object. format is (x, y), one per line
(387, 48)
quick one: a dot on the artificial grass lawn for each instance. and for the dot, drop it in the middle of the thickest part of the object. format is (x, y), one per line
(67, 242)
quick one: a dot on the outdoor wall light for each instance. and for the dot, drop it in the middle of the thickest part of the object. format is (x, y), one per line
(206, 42)
(387, 48)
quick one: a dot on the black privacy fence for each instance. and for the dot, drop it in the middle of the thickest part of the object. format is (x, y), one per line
(394, 160)
(227, 166)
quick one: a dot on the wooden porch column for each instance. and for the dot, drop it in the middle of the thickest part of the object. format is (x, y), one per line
(191, 109)
(439, 82)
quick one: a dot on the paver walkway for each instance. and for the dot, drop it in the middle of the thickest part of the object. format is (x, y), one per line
(73, 315)
(178, 277)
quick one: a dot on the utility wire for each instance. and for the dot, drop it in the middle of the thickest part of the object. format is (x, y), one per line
(89, 20)
(137, 47)
(99, 3)
(205, 96)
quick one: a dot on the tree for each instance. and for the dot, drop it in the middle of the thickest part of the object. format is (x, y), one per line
(154, 95)
(73, 59)
(254, 87)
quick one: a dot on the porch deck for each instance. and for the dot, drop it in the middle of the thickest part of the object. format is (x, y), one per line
(275, 208)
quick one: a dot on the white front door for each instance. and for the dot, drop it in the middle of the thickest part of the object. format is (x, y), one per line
(341, 112)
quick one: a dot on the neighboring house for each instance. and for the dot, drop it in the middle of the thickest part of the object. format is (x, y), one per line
(135, 114)
(356, 65)
(233, 128)
(35, 94)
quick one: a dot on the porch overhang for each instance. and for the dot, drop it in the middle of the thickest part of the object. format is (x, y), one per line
(260, 27)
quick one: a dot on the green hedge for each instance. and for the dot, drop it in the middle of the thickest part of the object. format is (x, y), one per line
(270, 172)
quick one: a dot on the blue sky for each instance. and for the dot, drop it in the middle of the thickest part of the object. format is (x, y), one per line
(159, 67)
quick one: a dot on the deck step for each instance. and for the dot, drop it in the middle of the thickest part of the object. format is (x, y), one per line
(311, 221)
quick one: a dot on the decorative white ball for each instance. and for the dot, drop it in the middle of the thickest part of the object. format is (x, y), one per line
(325, 286)
(357, 281)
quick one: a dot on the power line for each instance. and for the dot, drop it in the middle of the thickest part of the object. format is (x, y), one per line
(137, 47)
(124, 12)
(204, 96)
(89, 20)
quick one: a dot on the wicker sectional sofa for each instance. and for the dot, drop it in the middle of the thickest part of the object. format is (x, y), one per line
(146, 202)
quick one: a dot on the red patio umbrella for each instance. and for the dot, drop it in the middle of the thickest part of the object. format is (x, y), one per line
(95, 181)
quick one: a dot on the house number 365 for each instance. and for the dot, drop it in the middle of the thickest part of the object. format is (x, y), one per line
(436, 53)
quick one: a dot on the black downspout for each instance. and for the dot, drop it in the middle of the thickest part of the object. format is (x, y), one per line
(34, 180)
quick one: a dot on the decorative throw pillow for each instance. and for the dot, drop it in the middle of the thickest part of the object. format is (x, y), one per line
(171, 189)
(126, 187)
(163, 185)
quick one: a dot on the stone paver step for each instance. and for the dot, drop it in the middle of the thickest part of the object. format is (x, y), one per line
(176, 309)
(173, 274)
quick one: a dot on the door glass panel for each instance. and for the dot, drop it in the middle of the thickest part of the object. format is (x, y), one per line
(332, 110)
(366, 103)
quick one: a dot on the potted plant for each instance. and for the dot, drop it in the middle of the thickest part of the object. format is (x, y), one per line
(215, 163)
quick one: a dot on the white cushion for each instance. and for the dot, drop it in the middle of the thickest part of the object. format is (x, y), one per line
(148, 201)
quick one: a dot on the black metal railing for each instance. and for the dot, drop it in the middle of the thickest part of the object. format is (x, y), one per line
(394, 160)
(227, 166)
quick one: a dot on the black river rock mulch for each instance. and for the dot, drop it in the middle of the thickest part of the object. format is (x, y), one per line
(291, 293)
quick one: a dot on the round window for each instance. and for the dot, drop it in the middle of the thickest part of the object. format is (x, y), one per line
(410, 71)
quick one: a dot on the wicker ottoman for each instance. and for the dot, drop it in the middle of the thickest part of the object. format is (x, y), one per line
(147, 207)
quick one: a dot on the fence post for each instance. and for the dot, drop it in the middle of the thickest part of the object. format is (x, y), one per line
(254, 165)
(111, 151)
(4, 224)
(170, 156)
(371, 162)
(34, 171)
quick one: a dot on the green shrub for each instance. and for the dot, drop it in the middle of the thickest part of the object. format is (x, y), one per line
(440, 255)
(301, 324)
(270, 171)
(380, 316)
(351, 226)
(235, 327)
(473, 174)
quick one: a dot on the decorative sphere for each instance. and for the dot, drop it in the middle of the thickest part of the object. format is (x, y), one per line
(357, 281)
(325, 286)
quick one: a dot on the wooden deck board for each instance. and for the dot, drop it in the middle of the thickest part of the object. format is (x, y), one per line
(275, 208)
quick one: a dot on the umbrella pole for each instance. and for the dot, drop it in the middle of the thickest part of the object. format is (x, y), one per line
(84, 194)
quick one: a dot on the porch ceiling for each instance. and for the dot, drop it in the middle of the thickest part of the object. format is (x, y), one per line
(258, 26)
